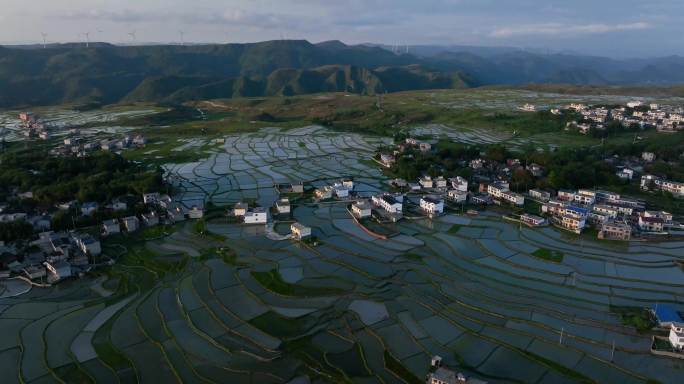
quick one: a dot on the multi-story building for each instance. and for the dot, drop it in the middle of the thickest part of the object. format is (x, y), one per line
(457, 196)
(340, 191)
(300, 231)
(500, 191)
(390, 203)
(532, 219)
(606, 210)
(361, 209)
(88, 244)
(131, 223)
(459, 184)
(110, 227)
(674, 187)
(566, 216)
(615, 230)
(585, 197)
(256, 215)
(324, 193)
(426, 181)
(282, 206)
(440, 182)
(432, 205)
(676, 336)
(539, 194)
(651, 224)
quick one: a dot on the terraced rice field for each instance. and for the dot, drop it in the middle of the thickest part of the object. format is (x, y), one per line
(248, 165)
(103, 120)
(250, 308)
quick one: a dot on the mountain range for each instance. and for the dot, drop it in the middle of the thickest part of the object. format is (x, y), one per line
(104, 73)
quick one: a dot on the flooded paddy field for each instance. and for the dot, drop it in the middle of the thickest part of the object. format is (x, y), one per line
(60, 120)
(241, 307)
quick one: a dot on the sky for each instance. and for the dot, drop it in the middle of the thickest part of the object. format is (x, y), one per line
(616, 28)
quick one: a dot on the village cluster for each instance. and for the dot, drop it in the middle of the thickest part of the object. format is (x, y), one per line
(75, 144)
(54, 256)
(635, 114)
(612, 215)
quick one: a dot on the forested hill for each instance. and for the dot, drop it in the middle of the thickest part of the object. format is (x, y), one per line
(103, 73)
(109, 74)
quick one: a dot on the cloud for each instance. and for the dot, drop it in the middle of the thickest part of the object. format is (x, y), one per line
(234, 16)
(565, 30)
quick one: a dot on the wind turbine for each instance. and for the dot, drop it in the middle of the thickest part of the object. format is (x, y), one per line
(44, 39)
(182, 36)
(87, 36)
(132, 35)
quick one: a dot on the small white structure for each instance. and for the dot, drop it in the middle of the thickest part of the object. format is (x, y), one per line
(256, 216)
(348, 183)
(89, 209)
(150, 219)
(625, 174)
(648, 156)
(425, 181)
(388, 202)
(175, 213)
(501, 191)
(361, 209)
(110, 227)
(88, 244)
(387, 160)
(677, 336)
(341, 192)
(532, 220)
(151, 198)
(58, 270)
(282, 206)
(539, 194)
(196, 212)
(324, 193)
(651, 223)
(131, 223)
(300, 231)
(432, 205)
(457, 196)
(240, 209)
(459, 184)
(118, 206)
(440, 182)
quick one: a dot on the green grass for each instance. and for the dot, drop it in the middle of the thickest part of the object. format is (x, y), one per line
(272, 281)
(454, 228)
(638, 318)
(107, 352)
(548, 255)
(157, 232)
(413, 257)
(395, 366)
(72, 373)
(280, 326)
(199, 227)
(577, 376)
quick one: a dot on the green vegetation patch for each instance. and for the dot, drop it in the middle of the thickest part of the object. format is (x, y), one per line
(351, 362)
(548, 255)
(455, 228)
(200, 228)
(640, 319)
(395, 366)
(272, 281)
(577, 376)
(280, 326)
